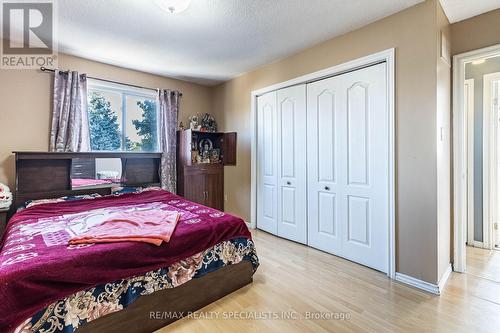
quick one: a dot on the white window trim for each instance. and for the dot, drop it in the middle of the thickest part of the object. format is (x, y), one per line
(136, 91)
(126, 90)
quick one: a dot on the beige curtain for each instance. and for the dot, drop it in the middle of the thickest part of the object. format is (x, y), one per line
(70, 124)
(168, 109)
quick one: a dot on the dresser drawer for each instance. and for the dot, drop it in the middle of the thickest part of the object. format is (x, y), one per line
(203, 169)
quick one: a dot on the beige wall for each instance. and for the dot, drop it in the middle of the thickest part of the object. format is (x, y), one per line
(443, 134)
(25, 104)
(475, 33)
(422, 108)
(413, 33)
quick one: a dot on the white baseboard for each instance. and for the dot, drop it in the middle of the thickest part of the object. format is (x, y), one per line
(432, 288)
(477, 244)
(444, 278)
(249, 225)
(423, 285)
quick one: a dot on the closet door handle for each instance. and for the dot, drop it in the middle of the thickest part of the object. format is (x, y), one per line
(327, 188)
(288, 183)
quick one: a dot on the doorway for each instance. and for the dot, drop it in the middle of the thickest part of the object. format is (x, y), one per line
(476, 117)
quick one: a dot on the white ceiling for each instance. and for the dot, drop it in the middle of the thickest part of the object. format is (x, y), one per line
(458, 10)
(213, 40)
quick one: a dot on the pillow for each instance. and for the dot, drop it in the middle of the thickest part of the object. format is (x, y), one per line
(132, 189)
(125, 189)
(32, 203)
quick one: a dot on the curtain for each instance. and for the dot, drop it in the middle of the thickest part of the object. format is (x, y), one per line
(70, 124)
(168, 109)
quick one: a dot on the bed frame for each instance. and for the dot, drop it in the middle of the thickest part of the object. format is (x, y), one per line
(48, 175)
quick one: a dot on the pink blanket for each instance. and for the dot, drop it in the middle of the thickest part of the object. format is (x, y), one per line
(81, 182)
(149, 226)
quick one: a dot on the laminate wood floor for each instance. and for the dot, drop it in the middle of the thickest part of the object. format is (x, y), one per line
(298, 280)
(483, 263)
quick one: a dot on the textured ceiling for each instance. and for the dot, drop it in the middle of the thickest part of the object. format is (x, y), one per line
(213, 40)
(458, 10)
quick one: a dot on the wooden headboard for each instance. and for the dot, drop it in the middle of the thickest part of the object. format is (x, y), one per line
(42, 175)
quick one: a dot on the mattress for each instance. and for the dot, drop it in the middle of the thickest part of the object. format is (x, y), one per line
(52, 287)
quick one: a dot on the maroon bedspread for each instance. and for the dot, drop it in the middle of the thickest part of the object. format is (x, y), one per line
(37, 269)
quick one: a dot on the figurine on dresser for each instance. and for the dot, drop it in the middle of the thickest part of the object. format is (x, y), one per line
(208, 123)
(193, 123)
(206, 147)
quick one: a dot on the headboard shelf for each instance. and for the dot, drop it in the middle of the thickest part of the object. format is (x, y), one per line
(36, 155)
(45, 175)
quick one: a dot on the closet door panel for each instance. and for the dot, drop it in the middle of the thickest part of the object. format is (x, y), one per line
(348, 166)
(357, 134)
(292, 216)
(323, 118)
(325, 128)
(365, 194)
(267, 163)
(323, 165)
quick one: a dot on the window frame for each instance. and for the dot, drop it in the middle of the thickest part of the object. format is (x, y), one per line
(127, 91)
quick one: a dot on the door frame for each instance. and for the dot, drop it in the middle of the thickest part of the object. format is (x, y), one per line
(470, 158)
(387, 56)
(460, 152)
(490, 161)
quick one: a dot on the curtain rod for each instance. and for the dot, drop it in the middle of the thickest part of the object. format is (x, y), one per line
(44, 69)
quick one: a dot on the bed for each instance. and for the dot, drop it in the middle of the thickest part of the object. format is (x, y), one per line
(48, 286)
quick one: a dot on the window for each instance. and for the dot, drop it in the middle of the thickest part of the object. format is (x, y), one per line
(122, 118)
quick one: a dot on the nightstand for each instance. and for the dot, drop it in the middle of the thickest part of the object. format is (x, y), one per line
(3, 220)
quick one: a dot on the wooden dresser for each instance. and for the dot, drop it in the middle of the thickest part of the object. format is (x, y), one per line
(204, 182)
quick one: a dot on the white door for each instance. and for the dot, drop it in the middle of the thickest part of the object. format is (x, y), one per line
(348, 170)
(292, 204)
(267, 169)
(324, 128)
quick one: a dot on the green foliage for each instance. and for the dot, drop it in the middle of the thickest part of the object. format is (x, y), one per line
(105, 130)
(103, 122)
(147, 127)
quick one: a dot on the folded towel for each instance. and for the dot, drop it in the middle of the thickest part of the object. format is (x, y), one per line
(149, 226)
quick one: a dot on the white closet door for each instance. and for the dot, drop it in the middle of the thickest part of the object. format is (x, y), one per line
(292, 204)
(324, 128)
(267, 163)
(366, 193)
(348, 171)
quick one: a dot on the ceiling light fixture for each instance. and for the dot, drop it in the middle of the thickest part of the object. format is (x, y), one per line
(478, 62)
(173, 6)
